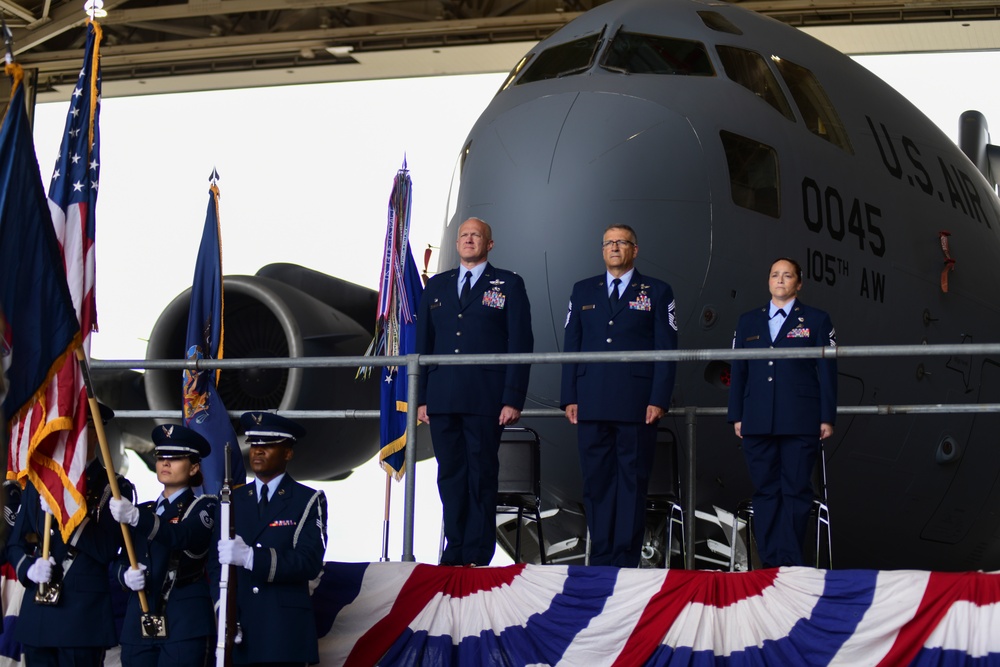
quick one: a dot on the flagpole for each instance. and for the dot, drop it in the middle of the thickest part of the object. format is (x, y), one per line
(109, 467)
(385, 518)
(43, 587)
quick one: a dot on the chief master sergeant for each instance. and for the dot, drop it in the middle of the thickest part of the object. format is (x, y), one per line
(474, 309)
(278, 549)
(616, 405)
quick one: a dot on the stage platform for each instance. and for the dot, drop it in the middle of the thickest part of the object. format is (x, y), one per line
(413, 614)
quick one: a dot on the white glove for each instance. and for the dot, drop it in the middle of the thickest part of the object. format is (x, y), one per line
(44, 504)
(124, 512)
(135, 579)
(235, 552)
(314, 583)
(40, 571)
(238, 639)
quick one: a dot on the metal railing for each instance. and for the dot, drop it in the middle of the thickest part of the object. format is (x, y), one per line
(413, 362)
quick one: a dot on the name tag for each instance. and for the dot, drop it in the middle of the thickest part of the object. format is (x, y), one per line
(752, 338)
(436, 304)
(590, 307)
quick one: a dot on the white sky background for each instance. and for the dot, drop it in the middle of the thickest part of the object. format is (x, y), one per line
(306, 175)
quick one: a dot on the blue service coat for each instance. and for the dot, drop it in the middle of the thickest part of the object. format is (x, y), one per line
(83, 617)
(185, 529)
(643, 319)
(496, 319)
(274, 607)
(784, 396)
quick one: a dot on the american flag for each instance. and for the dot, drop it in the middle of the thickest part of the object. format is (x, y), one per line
(49, 446)
(414, 614)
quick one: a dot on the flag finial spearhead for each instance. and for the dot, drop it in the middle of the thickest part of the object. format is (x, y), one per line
(214, 178)
(8, 41)
(95, 9)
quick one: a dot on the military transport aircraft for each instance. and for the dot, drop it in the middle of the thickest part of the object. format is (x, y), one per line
(725, 139)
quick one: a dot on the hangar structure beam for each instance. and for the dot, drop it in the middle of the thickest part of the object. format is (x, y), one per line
(150, 40)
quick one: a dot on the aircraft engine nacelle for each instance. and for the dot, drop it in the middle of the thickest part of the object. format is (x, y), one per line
(974, 140)
(286, 311)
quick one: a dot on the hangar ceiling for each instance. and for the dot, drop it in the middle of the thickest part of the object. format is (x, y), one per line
(159, 46)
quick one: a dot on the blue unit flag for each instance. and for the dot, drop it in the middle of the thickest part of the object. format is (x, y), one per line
(203, 407)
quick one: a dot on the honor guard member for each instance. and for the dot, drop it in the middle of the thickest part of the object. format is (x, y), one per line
(782, 408)
(278, 549)
(474, 309)
(173, 537)
(80, 627)
(616, 406)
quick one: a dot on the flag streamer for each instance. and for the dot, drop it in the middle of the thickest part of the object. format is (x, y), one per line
(395, 325)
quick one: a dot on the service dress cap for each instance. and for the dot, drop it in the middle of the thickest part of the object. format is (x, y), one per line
(266, 428)
(173, 441)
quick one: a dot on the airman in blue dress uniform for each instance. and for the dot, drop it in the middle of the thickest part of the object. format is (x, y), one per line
(80, 628)
(467, 407)
(617, 406)
(173, 540)
(782, 408)
(278, 549)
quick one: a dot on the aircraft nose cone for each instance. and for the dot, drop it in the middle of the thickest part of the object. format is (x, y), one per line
(585, 153)
(625, 145)
(554, 163)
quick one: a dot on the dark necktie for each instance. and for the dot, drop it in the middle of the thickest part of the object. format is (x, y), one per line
(613, 297)
(466, 287)
(780, 311)
(262, 505)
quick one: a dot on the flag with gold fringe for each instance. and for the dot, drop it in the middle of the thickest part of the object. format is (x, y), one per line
(48, 436)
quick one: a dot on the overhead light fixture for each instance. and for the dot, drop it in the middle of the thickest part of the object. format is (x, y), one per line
(339, 51)
(95, 9)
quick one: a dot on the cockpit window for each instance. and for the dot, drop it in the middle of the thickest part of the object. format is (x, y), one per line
(814, 105)
(514, 72)
(635, 53)
(750, 70)
(562, 59)
(753, 174)
(717, 21)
